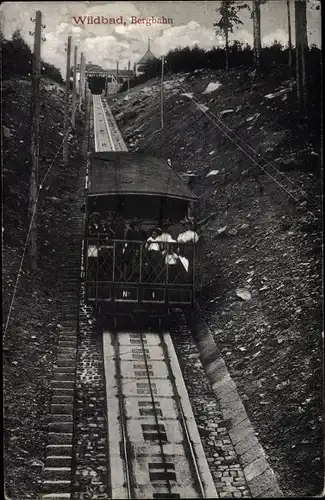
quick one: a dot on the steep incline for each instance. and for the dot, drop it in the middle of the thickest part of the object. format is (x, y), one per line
(261, 231)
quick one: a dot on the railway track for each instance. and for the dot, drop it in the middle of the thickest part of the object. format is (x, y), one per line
(107, 136)
(155, 448)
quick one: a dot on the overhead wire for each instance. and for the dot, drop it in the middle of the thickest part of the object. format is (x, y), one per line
(199, 105)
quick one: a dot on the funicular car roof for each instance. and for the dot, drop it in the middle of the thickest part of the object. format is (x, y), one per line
(135, 173)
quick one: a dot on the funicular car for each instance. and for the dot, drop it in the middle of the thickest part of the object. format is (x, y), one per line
(123, 276)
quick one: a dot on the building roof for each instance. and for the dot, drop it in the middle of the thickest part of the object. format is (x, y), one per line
(94, 68)
(121, 72)
(147, 57)
(114, 173)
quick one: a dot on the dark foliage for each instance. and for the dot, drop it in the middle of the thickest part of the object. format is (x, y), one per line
(52, 72)
(17, 59)
(273, 63)
(229, 19)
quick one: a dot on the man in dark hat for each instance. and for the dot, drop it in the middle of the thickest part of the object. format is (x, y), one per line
(134, 235)
(94, 223)
(118, 228)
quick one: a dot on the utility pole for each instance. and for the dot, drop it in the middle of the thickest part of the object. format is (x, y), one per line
(35, 139)
(289, 35)
(117, 78)
(66, 105)
(84, 79)
(80, 80)
(128, 77)
(74, 88)
(301, 49)
(162, 93)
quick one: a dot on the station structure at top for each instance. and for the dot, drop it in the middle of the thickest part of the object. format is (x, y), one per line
(114, 78)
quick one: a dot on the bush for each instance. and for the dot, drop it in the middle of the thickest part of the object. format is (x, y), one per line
(17, 59)
(273, 62)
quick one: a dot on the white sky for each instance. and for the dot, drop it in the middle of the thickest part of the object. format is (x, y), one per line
(104, 44)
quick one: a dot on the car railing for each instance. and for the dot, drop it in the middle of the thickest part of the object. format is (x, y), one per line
(133, 261)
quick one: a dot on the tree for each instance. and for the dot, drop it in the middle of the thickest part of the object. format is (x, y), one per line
(52, 72)
(301, 50)
(228, 21)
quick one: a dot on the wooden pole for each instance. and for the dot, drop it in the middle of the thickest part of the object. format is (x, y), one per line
(301, 48)
(162, 93)
(66, 104)
(83, 77)
(74, 88)
(129, 77)
(117, 87)
(35, 139)
(289, 35)
(80, 80)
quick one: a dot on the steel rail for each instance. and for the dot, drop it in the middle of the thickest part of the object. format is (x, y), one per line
(123, 423)
(183, 418)
(155, 413)
(95, 123)
(108, 128)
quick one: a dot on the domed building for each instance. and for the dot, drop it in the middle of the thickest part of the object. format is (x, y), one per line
(146, 59)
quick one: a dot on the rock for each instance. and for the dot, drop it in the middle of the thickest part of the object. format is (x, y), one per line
(244, 294)
(211, 87)
(213, 172)
(233, 232)
(6, 132)
(276, 94)
(37, 463)
(221, 230)
(226, 112)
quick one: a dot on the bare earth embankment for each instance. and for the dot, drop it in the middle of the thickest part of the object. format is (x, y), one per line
(32, 333)
(255, 237)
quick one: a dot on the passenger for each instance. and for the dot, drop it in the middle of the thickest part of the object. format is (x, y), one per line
(152, 242)
(188, 236)
(94, 223)
(135, 231)
(165, 237)
(118, 226)
(134, 235)
(186, 249)
(107, 229)
(106, 251)
(154, 265)
(175, 268)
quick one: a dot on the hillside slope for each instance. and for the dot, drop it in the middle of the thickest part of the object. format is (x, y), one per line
(261, 232)
(30, 335)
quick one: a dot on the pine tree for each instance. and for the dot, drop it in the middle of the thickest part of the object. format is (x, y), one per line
(228, 21)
